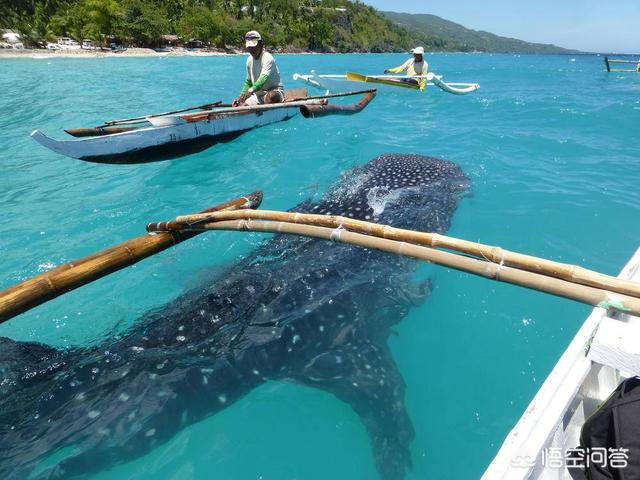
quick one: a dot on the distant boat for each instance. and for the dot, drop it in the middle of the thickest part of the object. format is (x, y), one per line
(608, 61)
(66, 43)
(88, 44)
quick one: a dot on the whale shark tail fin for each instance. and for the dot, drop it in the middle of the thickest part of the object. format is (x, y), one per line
(365, 376)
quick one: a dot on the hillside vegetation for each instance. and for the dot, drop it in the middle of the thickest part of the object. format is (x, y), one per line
(287, 25)
(297, 25)
(467, 39)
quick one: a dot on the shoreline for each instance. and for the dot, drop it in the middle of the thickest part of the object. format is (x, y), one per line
(42, 53)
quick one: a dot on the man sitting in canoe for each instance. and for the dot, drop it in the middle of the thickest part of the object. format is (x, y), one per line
(414, 66)
(263, 83)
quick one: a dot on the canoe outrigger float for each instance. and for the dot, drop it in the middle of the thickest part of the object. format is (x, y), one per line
(175, 134)
(336, 83)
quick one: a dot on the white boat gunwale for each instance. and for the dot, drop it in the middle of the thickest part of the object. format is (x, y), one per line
(587, 372)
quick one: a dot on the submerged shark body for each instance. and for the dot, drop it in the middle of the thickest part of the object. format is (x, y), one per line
(296, 309)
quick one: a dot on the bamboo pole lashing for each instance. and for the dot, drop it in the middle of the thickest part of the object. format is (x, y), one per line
(64, 278)
(498, 255)
(555, 286)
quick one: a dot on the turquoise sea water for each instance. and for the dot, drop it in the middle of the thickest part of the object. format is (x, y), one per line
(551, 147)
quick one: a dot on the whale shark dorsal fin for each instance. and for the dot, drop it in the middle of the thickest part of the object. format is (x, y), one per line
(365, 376)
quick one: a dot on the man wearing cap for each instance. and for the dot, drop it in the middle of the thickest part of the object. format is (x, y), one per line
(263, 83)
(414, 66)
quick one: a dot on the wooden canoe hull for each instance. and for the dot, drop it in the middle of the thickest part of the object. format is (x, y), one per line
(166, 142)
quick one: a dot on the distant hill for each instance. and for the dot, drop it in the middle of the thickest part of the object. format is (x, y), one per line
(465, 38)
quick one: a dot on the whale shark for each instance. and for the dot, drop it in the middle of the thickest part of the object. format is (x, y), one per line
(294, 309)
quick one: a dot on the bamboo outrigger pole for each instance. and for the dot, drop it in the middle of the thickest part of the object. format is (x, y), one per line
(295, 102)
(64, 278)
(581, 293)
(497, 255)
(495, 263)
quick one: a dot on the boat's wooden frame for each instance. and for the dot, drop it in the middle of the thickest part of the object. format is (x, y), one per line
(605, 351)
(175, 135)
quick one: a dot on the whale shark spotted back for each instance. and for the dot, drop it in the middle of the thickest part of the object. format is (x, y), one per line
(363, 191)
(296, 309)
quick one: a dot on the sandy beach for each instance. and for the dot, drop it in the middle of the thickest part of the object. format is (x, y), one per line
(43, 53)
(129, 52)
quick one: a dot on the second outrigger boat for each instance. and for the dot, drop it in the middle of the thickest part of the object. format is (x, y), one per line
(176, 134)
(337, 83)
(608, 61)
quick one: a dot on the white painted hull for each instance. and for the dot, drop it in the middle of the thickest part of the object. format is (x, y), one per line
(108, 148)
(603, 353)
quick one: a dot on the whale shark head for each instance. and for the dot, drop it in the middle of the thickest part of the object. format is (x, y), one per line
(402, 190)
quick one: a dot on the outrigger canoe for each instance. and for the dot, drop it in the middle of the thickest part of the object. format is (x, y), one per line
(176, 134)
(336, 83)
(608, 61)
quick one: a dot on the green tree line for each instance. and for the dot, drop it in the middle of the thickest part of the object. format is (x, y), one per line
(328, 25)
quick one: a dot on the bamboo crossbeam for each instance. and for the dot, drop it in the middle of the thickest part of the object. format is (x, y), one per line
(554, 286)
(497, 255)
(64, 278)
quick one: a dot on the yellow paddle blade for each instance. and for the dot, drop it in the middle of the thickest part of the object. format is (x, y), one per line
(356, 77)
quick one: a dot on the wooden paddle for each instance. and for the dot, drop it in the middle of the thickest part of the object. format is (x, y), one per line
(143, 118)
(333, 95)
